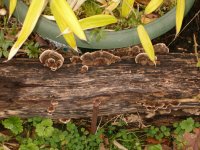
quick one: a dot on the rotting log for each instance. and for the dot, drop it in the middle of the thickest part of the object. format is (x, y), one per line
(29, 89)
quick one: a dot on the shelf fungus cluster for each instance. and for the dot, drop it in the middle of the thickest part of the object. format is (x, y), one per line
(143, 59)
(51, 59)
(97, 58)
(127, 53)
(162, 108)
(160, 48)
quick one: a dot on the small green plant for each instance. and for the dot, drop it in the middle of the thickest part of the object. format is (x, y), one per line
(45, 128)
(14, 124)
(182, 127)
(158, 133)
(32, 50)
(126, 138)
(4, 45)
(154, 147)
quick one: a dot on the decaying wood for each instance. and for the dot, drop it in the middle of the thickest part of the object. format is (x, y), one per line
(27, 88)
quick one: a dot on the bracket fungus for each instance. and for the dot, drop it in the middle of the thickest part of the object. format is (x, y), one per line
(161, 48)
(84, 69)
(75, 59)
(126, 53)
(99, 58)
(51, 59)
(143, 59)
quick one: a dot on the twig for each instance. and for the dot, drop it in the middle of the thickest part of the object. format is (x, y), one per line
(95, 112)
(184, 28)
(119, 146)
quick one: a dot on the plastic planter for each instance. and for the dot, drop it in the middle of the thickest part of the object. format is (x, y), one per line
(49, 30)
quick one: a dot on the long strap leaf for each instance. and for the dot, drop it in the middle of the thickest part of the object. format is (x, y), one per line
(12, 6)
(146, 42)
(152, 6)
(180, 9)
(32, 16)
(59, 17)
(127, 6)
(97, 21)
(69, 17)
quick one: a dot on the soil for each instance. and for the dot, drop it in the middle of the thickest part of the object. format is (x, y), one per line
(184, 42)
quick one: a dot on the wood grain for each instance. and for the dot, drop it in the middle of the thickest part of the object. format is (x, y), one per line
(28, 89)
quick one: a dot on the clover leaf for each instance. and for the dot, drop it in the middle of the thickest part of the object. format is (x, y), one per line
(187, 125)
(14, 124)
(45, 128)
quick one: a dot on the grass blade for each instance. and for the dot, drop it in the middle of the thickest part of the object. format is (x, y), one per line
(12, 6)
(127, 6)
(146, 42)
(152, 6)
(180, 9)
(32, 16)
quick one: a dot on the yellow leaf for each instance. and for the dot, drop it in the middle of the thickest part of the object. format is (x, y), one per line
(34, 11)
(127, 6)
(180, 9)
(68, 16)
(112, 5)
(152, 6)
(97, 21)
(59, 17)
(12, 6)
(146, 42)
(93, 22)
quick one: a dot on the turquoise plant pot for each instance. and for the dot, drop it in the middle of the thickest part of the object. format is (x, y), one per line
(111, 39)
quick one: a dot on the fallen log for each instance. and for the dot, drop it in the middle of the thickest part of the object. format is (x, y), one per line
(27, 88)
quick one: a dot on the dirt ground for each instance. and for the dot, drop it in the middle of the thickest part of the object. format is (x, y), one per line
(184, 42)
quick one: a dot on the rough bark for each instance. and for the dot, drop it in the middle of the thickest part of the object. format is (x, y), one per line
(29, 89)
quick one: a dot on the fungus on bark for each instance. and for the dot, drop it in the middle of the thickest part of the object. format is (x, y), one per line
(75, 59)
(143, 59)
(84, 69)
(51, 59)
(125, 53)
(99, 58)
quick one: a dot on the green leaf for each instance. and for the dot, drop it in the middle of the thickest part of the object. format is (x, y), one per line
(146, 43)
(187, 125)
(45, 128)
(152, 6)
(180, 9)
(5, 53)
(163, 128)
(1, 53)
(29, 146)
(14, 124)
(154, 147)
